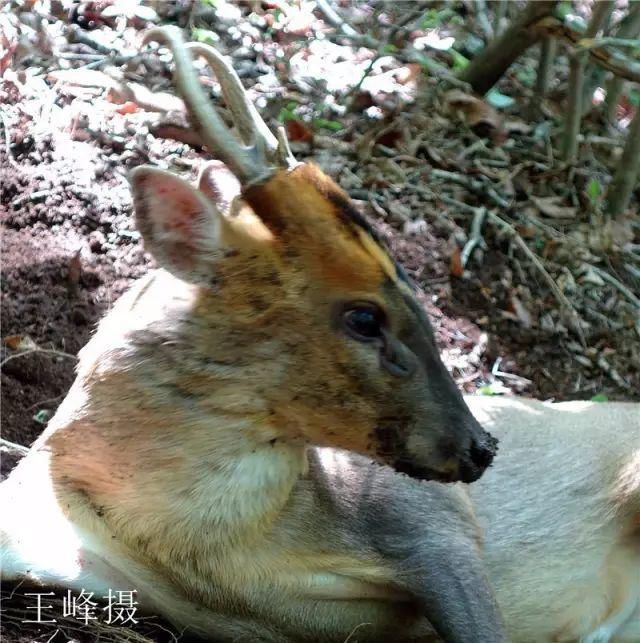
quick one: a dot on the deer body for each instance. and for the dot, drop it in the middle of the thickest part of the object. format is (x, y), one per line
(560, 513)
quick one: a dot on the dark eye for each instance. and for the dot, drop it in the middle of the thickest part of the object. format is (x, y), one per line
(364, 321)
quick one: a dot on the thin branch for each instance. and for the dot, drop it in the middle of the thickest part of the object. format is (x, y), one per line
(45, 351)
(577, 66)
(617, 284)
(607, 57)
(486, 69)
(12, 446)
(548, 50)
(335, 20)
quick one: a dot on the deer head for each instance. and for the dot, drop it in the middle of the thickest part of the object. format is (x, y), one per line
(284, 259)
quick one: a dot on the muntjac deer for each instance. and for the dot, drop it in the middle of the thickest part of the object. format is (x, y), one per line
(165, 470)
(186, 461)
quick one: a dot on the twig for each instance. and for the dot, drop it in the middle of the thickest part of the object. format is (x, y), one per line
(45, 351)
(334, 19)
(560, 296)
(12, 446)
(476, 238)
(489, 66)
(41, 402)
(475, 185)
(617, 284)
(612, 373)
(80, 36)
(587, 44)
(496, 372)
(548, 48)
(606, 57)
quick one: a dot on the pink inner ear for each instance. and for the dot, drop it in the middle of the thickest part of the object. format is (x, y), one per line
(218, 183)
(175, 206)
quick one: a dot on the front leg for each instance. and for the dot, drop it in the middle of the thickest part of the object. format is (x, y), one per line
(437, 557)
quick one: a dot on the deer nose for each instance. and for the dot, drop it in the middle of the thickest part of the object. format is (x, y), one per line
(480, 456)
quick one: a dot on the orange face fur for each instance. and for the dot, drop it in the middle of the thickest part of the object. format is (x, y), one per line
(293, 267)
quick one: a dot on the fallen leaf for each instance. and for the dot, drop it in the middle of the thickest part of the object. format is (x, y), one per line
(455, 263)
(550, 206)
(129, 107)
(74, 268)
(483, 119)
(298, 131)
(521, 312)
(19, 343)
(82, 78)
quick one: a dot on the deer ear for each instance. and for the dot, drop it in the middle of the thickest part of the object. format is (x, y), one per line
(181, 228)
(219, 184)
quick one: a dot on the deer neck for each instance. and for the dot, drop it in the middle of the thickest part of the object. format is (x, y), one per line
(167, 443)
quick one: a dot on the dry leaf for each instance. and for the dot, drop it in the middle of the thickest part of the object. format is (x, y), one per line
(550, 207)
(19, 343)
(455, 263)
(127, 108)
(521, 312)
(483, 119)
(298, 131)
(74, 268)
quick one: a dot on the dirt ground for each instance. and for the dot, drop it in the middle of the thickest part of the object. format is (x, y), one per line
(69, 248)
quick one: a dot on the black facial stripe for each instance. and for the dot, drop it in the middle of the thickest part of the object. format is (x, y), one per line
(350, 216)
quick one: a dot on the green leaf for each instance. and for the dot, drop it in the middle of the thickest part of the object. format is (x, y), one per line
(389, 49)
(459, 61)
(499, 100)
(43, 416)
(564, 9)
(287, 114)
(334, 126)
(594, 190)
(432, 18)
(205, 35)
(600, 397)
(495, 388)
(634, 97)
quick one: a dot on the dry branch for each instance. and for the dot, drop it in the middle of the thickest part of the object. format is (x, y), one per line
(605, 56)
(577, 67)
(489, 66)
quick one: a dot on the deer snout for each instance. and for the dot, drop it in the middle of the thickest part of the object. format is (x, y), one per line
(462, 456)
(480, 456)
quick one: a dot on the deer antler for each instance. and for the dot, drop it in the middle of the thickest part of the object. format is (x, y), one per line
(260, 153)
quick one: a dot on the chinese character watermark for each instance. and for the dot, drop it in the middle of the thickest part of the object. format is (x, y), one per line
(117, 607)
(39, 607)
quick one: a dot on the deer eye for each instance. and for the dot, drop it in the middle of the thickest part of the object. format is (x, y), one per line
(363, 322)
